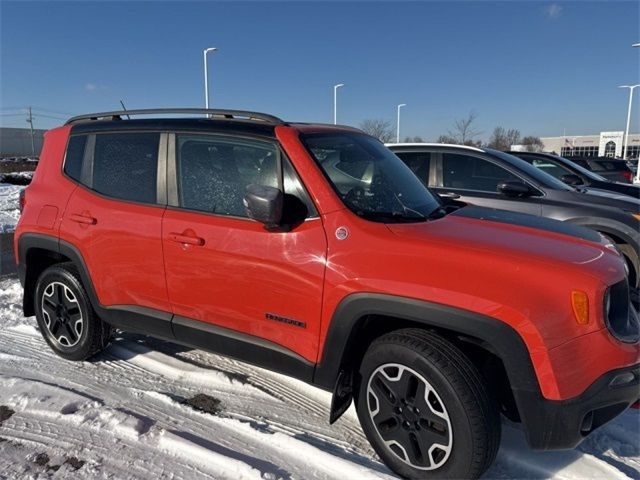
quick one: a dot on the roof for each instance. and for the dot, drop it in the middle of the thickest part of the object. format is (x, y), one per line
(209, 113)
(413, 145)
(238, 120)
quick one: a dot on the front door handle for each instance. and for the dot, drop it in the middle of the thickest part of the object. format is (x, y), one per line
(82, 218)
(186, 239)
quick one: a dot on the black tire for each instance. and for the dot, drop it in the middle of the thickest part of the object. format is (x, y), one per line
(456, 411)
(631, 258)
(65, 316)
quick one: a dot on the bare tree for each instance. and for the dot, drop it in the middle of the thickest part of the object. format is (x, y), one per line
(532, 144)
(502, 139)
(416, 139)
(464, 131)
(513, 137)
(446, 139)
(376, 127)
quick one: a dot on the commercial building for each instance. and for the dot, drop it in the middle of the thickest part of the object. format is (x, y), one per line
(605, 144)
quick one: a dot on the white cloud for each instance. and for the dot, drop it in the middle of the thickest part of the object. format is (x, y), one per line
(92, 87)
(553, 11)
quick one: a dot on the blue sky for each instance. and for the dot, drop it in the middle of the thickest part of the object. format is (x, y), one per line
(541, 67)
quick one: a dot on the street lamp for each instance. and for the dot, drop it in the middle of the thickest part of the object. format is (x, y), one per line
(626, 133)
(206, 79)
(335, 102)
(398, 126)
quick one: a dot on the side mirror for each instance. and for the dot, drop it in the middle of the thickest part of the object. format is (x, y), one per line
(513, 188)
(571, 179)
(264, 204)
(448, 196)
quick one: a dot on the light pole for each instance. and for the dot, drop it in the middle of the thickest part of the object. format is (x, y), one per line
(335, 102)
(398, 125)
(206, 79)
(626, 133)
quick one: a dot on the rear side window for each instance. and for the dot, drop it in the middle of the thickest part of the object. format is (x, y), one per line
(75, 154)
(418, 162)
(125, 166)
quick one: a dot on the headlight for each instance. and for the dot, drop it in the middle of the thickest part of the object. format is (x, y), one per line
(620, 317)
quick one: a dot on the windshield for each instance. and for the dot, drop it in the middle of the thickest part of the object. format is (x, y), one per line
(371, 181)
(539, 176)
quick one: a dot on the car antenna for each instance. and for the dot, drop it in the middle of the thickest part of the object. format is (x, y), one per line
(125, 109)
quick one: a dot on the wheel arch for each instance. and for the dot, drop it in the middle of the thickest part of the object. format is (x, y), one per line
(362, 317)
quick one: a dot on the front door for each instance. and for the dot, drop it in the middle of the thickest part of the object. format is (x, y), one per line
(476, 179)
(228, 271)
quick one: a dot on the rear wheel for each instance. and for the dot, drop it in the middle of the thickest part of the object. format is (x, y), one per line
(424, 407)
(65, 316)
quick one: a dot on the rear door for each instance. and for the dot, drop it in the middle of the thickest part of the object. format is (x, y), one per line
(225, 270)
(114, 218)
(475, 178)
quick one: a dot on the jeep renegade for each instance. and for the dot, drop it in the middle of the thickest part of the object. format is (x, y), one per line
(312, 250)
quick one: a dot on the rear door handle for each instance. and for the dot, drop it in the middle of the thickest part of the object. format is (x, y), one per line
(186, 239)
(82, 218)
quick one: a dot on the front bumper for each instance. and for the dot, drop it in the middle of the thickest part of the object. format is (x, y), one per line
(555, 425)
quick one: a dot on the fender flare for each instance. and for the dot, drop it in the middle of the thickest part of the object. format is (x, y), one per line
(333, 372)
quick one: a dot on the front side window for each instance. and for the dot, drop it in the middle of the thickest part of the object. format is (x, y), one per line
(125, 166)
(213, 173)
(469, 172)
(370, 179)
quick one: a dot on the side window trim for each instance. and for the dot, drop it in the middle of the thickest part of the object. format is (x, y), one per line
(172, 171)
(435, 172)
(161, 178)
(86, 173)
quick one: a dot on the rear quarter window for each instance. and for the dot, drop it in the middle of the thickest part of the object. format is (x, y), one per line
(74, 156)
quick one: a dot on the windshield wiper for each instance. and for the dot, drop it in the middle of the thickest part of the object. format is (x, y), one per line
(399, 217)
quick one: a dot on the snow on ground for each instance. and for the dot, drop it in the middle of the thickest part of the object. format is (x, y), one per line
(9, 212)
(123, 415)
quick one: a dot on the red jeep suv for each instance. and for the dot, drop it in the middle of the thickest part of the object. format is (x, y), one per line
(312, 250)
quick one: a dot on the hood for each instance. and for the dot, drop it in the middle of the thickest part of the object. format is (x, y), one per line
(504, 233)
(604, 198)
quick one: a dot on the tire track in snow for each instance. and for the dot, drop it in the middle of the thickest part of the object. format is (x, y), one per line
(91, 378)
(96, 430)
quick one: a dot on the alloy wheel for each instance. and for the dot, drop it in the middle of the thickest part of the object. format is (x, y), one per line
(62, 314)
(409, 416)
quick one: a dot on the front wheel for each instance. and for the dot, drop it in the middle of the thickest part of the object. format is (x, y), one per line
(425, 409)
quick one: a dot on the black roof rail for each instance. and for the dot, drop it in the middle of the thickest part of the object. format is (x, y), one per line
(209, 112)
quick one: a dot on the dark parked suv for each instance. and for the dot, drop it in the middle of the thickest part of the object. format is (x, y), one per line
(491, 178)
(313, 251)
(614, 169)
(575, 175)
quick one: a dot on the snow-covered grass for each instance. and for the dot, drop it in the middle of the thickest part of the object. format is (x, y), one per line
(9, 213)
(124, 415)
